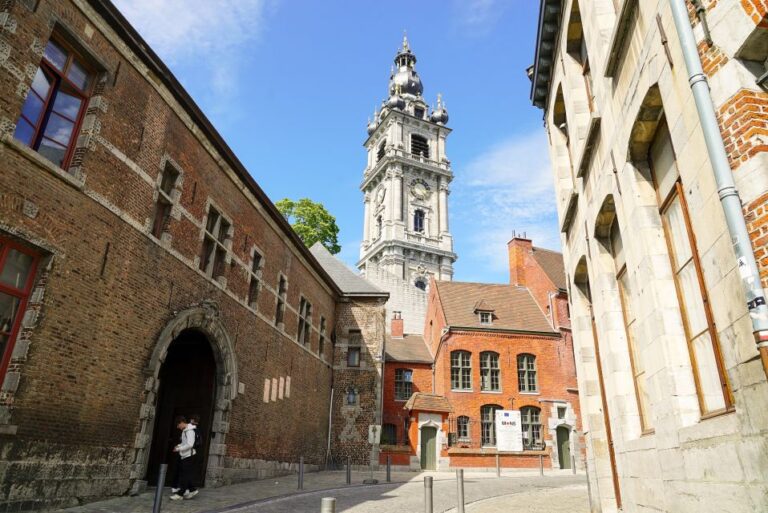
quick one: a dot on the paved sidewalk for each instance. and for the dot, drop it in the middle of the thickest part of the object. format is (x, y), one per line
(211, 500)
(568, 499)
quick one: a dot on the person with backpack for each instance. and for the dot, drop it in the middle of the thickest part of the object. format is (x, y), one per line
(186, 452)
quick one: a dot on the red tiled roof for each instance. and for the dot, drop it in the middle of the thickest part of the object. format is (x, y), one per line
(410, 348)
(552, 264)
(428, 402)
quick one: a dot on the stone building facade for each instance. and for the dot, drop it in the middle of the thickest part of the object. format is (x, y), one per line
(490, 347)
(406, 236)
(672, 387)
(145, 274)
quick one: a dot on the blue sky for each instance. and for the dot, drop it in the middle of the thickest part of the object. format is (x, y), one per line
(290, 84)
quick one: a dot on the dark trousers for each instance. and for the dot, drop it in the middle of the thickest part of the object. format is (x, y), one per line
(187, 469)
(176, 473)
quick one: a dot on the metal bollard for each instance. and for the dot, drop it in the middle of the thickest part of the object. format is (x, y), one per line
(301, 473)
(428, 494)
(460, 490)
(389, 468)
(573, 465)
(541, 465)
(349, 471)
(498, 466)
(328, 505)
(159, 491)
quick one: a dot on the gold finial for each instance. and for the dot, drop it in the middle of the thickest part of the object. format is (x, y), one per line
(405, 41)
(439, 100)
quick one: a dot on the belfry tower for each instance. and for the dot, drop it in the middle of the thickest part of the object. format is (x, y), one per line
(405, 185)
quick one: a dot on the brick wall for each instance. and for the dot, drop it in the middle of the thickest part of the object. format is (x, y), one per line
(712, 58)
(393, 409)
(756, 10)
(79, 394)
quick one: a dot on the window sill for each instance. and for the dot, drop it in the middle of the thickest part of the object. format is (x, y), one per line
(529, 393)
(715, 425)
(570, 211)
(491, 391)
(462, 391)
(34, 157)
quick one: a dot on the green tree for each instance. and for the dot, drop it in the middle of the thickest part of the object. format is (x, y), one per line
(312, 222)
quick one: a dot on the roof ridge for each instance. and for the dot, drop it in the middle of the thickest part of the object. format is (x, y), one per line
(537, 248)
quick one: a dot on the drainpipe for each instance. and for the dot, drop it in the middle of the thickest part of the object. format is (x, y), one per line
(726, 187)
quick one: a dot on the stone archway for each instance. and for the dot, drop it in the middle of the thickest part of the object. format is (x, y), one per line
(205, 318)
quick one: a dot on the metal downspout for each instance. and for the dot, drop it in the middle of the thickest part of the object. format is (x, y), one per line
(726, 187)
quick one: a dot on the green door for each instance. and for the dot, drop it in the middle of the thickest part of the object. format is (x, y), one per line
(564, 446)
(428, 448)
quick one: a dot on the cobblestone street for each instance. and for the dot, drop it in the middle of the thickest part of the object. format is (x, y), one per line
(518, 491)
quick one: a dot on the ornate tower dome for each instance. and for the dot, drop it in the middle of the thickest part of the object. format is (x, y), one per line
(405, 75)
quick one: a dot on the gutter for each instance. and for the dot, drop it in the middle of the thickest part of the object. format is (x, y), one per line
(726, 187)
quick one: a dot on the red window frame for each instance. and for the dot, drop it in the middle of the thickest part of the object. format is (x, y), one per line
(59, 78)
(22, 294)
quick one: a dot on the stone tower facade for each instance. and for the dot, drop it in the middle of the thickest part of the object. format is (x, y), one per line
(406, 237)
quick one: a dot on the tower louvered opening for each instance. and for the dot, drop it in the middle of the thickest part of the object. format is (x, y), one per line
(419, 146)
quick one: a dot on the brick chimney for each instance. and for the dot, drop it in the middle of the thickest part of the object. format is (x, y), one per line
(519, 249)
(397, 325)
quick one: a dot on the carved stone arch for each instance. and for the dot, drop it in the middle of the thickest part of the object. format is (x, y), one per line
(605, 218)
(581, 278)
(559, 115)
(647, 120)
(206, 319)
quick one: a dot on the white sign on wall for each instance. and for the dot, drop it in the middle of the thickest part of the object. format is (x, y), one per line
(509, 433)
(374, 434)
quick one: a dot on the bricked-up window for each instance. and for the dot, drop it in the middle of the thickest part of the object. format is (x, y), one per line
(636, 359)
(461, 370)
(526, 373)
(164, 203)
(711, 384)
(255, 280)
(17, 271)
(353, 348)
(489, 371)
(419, 145)
(403, 384)
(531, 427)
(282, 289)
(55, 104)
(488, 424)
(462, 427)
(214, 252)
(304, 331)
(321, 341)
(418, 221)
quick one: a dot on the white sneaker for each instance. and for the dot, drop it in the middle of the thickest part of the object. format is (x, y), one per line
(175, 490)
(176, 497)
(190, 495)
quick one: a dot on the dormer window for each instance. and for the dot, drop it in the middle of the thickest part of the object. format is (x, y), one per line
(486, 318)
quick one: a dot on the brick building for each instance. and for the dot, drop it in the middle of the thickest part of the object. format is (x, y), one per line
(144, 274)
(661, 195)
(490, 347)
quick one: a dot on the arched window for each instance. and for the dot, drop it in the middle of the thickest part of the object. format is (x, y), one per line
(531, 426)
(388, 434)
(421, 284)
(577, 48)
(382, 150)
(419, 145)
(488, 424)
(526, 373)
(418, 221)
(698, 322)
(461, 370)
(403, 384)
(489, 371)
(636, 359)
(559, 116)
(462, 427)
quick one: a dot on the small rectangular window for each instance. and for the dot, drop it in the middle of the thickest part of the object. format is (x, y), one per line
(255, 281)
(164, 203)
(305, 322)
(418, 112)
(485, 317)
(321, 342)
(353, 348)
(281, 293)
(213, 253)
(561, 412)
(403, 384)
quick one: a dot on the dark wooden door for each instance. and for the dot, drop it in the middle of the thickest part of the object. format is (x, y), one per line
(187, 387)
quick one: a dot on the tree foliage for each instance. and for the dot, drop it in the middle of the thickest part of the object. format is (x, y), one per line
(312, 222)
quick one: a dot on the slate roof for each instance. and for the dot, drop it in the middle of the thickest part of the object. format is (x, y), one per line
(515, 308)
(410, 348)
(553, 265)
(345, 278)
(428, 402)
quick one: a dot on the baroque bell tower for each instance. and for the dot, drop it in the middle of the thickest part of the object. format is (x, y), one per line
(405, 185)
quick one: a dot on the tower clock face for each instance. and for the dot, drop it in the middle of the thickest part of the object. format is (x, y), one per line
(419, 189)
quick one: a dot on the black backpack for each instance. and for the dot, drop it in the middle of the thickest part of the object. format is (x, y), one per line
(198, 439)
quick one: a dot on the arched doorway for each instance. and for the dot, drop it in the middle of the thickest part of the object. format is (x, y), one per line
(564, 446)
(187, 386)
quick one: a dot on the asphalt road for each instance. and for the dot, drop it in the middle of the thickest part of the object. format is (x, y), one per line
(409, 497)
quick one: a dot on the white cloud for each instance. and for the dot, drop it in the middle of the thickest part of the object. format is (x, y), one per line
(478, 16)
(507, 188)
(200, 35)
